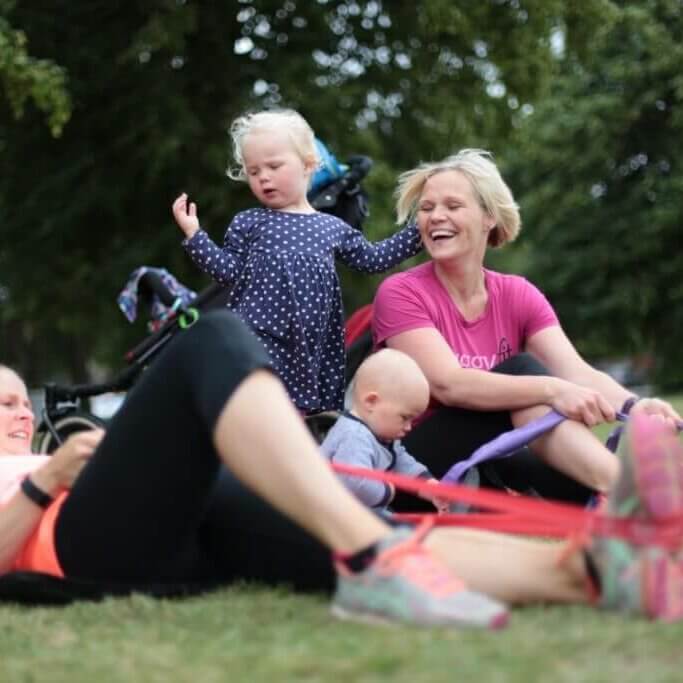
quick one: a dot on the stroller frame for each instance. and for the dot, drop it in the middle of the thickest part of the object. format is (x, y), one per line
(63, 413)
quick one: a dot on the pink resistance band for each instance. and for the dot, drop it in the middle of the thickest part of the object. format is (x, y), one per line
(526, 515)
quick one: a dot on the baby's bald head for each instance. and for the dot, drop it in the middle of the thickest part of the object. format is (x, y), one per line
(389, 392)
(392, 374)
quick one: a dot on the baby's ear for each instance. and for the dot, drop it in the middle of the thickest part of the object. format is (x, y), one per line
(370, 399)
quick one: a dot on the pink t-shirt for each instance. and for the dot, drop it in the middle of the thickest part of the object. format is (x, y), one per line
(38, 553)
(515, 310)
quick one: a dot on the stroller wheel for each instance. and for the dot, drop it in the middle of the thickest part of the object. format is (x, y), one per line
(45, 441)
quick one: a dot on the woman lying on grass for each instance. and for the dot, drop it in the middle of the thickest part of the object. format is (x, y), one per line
(207, 476)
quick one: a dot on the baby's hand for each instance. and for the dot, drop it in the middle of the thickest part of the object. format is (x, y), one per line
(439, 503)
(185, 214)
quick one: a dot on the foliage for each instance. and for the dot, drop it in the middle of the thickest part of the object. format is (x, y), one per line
(154, 86)
(24, 77)
(601, 180)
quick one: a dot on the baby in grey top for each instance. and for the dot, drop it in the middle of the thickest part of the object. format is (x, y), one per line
(388, 393)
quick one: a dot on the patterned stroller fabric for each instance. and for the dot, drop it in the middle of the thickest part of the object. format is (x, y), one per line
(129, 296)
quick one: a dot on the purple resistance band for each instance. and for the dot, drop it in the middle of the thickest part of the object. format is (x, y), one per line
(509, 442)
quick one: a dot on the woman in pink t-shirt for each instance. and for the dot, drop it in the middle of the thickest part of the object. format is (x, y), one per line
(490, 344)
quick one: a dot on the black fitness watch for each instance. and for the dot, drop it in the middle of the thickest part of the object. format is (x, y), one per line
(34, 494)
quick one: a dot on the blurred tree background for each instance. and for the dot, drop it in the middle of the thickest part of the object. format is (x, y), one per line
(601, 181)
(108, 110)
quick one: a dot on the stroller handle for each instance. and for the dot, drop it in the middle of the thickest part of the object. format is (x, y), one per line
(150, 284)
(58, 393)
(359, 167)
(212, 295)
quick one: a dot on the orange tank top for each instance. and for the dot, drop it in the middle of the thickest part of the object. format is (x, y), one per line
(38, 554)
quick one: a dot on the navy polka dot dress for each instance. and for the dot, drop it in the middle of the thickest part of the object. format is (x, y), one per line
(280, 268)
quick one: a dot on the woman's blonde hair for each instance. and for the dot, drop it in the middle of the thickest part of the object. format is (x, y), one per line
(12, 371)
(491, 191)
(291, 122)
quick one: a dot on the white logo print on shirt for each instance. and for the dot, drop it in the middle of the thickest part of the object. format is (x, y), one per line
(467, 360)
(482, 362)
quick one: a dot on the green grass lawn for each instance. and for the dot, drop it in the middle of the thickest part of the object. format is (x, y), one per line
(248, 633)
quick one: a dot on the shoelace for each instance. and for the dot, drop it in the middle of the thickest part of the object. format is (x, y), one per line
(413, 561)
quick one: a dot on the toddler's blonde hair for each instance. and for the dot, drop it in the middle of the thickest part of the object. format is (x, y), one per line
(295, 126)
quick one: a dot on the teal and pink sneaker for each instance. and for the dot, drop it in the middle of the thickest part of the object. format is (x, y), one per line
(406, 583)
(644, 579)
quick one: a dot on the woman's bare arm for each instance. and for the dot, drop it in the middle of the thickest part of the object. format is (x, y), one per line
(454, 385)
(20, 516)
(554, 349)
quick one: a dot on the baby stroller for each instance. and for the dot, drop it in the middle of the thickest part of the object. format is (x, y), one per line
(336, 189)
(63, 412)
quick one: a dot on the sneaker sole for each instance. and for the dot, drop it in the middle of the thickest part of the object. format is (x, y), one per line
(498, 622)
(657, 457)
(361, 617)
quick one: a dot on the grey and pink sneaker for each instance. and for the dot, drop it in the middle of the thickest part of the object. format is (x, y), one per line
(406, 583)
(635, 578)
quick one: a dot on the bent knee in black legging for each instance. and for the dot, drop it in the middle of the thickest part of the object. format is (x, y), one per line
(224, 329)
(524, 470)
(521, 364)
(135, 509)
(216, 355)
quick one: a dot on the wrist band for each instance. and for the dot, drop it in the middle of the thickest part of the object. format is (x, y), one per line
(35, 494)
(629, 403)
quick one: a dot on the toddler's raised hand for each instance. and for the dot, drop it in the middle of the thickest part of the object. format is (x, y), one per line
(185, 214)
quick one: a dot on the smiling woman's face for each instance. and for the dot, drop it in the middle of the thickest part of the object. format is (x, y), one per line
(16, 416)
(451, 221)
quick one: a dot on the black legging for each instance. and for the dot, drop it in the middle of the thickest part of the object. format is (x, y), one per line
(155, 505)
(450, 435)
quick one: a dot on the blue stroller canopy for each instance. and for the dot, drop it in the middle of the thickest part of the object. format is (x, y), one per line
(329, 171)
